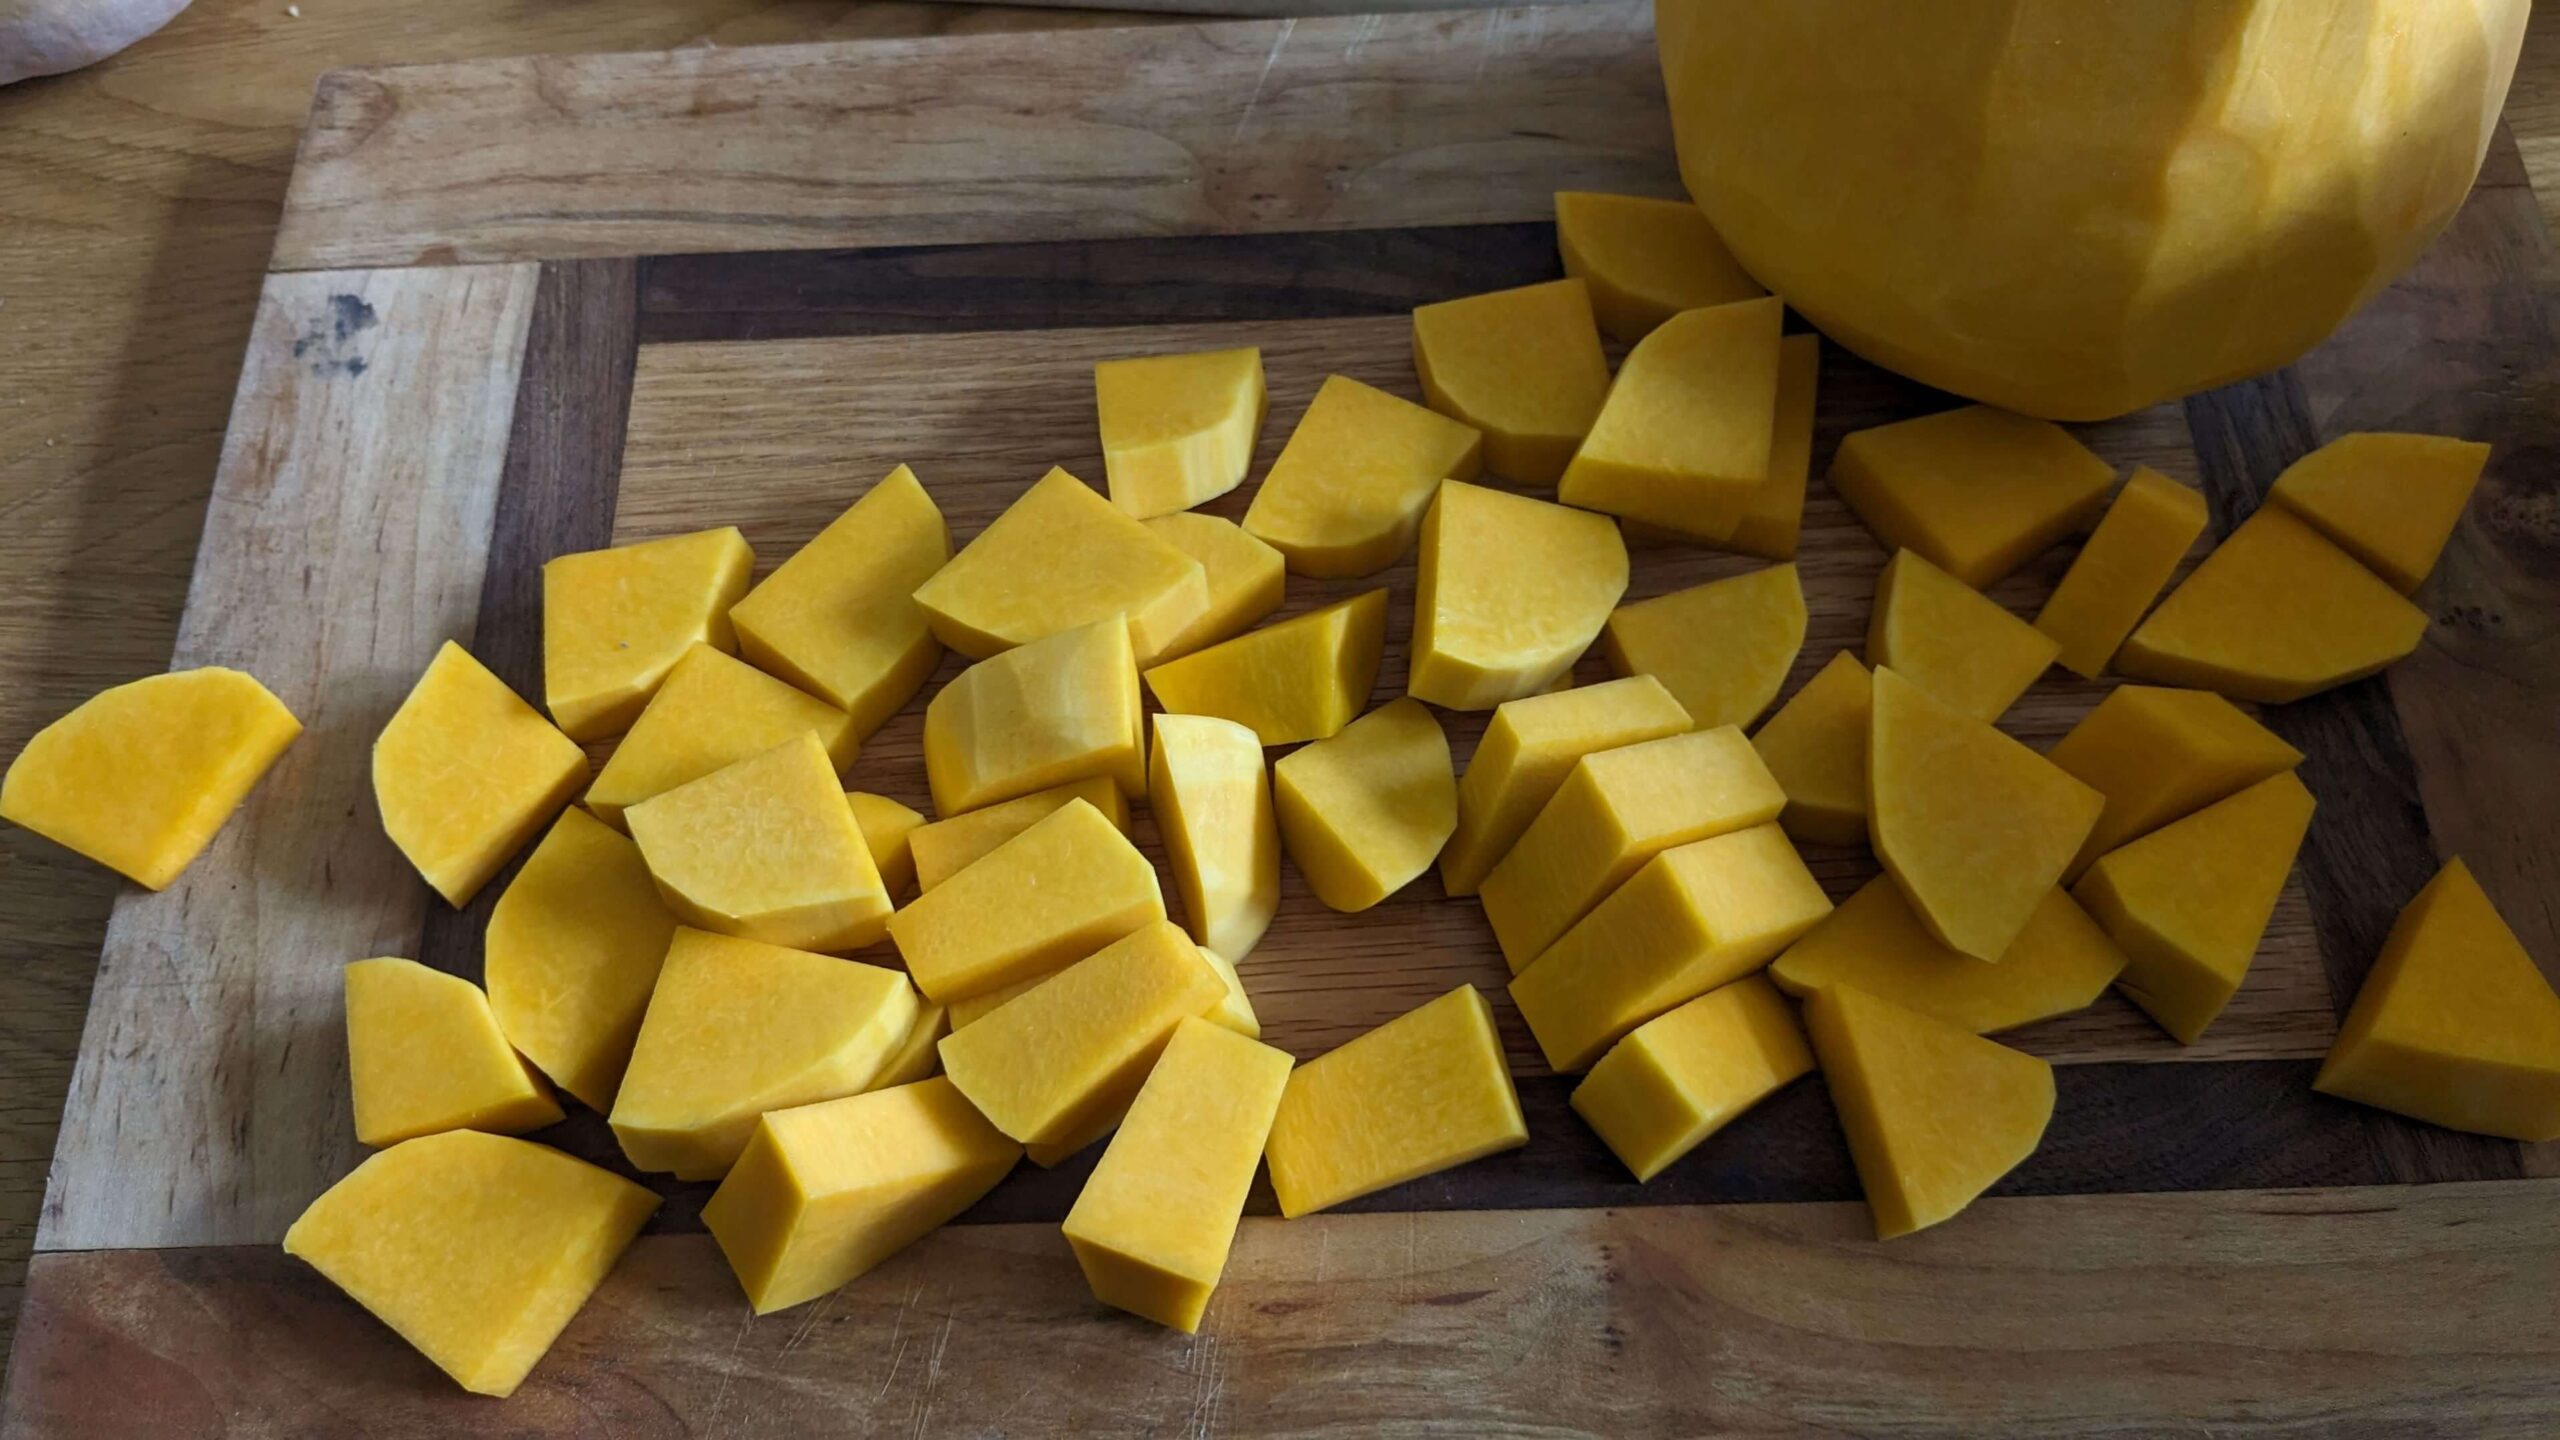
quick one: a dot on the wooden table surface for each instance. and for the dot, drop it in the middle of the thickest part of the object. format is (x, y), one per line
(138, 201)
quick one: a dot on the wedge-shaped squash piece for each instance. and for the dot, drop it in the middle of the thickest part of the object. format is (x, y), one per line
(1247, 579)
(1685, 438)
(2454, 1025)
(476, 1248)
(1153, 1224)
(2159, 755)
(424, 1055)
(1722, 649)
(1947, 637)
(466, 772)
(1177, 430)
(1425, 1092)
(1773, 516)
(1816, 749)
(1681, 1077)
(766, 849)
(713, 711)
(2062, 962)
(1616, 810)
(139, 777)
(946, 847)
(1645, 260)
(887, 826)
(1977, 491)
(1935, 1115)
(839, 618)
(2124, 567)
(2389, 500)
(1061, 556)
(737, 1028)
(1511, 592)
(1347, 493)
(2275, 613)
(572, 952)
(1212, 799)
(1062, 889)
(1367, 810)
(917, 1056)
(825, 1192)
(1973, 826)
(2190, 901)
(1301, 679)
(614, 622)
(1527, 752)
(1235, 1011)
(1523, 366)
(1060, 708)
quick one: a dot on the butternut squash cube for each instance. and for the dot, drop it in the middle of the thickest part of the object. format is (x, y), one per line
(1301, 679)
(1616, 810)
(1645, 260)
(1212, 799)
(1816, 749)
(572, 952)
(737, 1028)
(1523, 366)
(2190, 901)
(2160, 755)
(2123, 568)
(1247, 579)
(140, 776)
(1973, 826)
(713, 711)
(1685, 437)
(2275, 613)
(1153, 1224)
(1978, 491)
(825, 1192)
(766, 850)
(1235, 1012)
(1951, 640)
(839, 618)
(1059, 709)
(1722, 649)
(887, 827)
(1177, 430)
(1527, 752)
(466, 772)
(946, 847)
(476, 1248)
(614, 622)
(2389, 500)
(424, 1055)
(1346, 495)
(1679, 1078)
(2061, 963)
(1511, 592)
(917, 1056)
(1061, 556)
(2454, 1026)
(1773, 516)
(1935, 1115)
(1425, 1092)
(1367, 810)
(1062, 889)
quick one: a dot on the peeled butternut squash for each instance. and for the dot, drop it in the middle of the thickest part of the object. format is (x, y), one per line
(1347, 494)
(1061, 708)
(1365, 811)
(1977, 491)
(1951, 639)
(466, 772)
(1523, 366)
(2391, 501)
(1061, 556)
(1722, 649)
(2123, 568)
(1685, 436)
(1177, 430)
(1302, 678)
(839, 618)
(614, 622)
(1512, 591)
(1645, 259)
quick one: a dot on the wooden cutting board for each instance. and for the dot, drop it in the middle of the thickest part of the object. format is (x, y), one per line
(527, 307)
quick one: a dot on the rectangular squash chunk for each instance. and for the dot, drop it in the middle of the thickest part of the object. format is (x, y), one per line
(1153, 1225)
(2123, 568)
(1681, 1077)
(1062, 889)
(1424, 1092)
(944, 848)
(839, 618)
(1525, 755)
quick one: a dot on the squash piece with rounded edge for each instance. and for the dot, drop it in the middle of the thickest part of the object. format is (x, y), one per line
(614, 622)
(1773, 516)
(476, 1248)
(466, 772)
(1952, 640)
(1247, 579)
(1525, 755)
(1211, 794)
(839, 618)
(572, 952)
(887, 826)
(2160, 755)
(1816, 749)
(1978, 492)
(2389, 500)
(424, 1055)
(2123, 568)
(1367, 810)
(2061, 963)
(1177, 430)
(944, 848)
(1645, 260)
(1511, 592)
(1684, 440)
(1347, 493)
(713, 711)
(917, 1056)
(1059, 557)
(1522, 366)
(1302, 678)
(1062, 889)
(766, 849)
(1061, 708)
(1722, 649)
(1680, 1077)
(140, 776)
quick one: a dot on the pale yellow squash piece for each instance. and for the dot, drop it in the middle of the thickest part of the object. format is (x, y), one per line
(1522, 366)
(1527, 752)
(1978, 491)
(1685, 439)
(1511, 592)
(1773, 517)
(2124, 567)
(1645, 260)
(1153, 1224)
(1425, 1092)
(1247, 579)
(1616, 810)
(1935, 1115)
(1061, 556)
(1346, 495)
(1816, 749)
(466, 772)
(713, 711)
(1177, 430)
(614, 622)
(887, 827)
(1367, 810)
(1973, 826)
(1236, 1011)
(737, 1028)
(1061, 708)
(572, 952)
(2190, 901)
(2389, 500)
(1722, 649)
(917, 1056)
(839, 618)
(1211, 794)
(827, 1191)
(2454, 1026)
(1681, 1077)
(2061, 963)
(424, 1055)
(477, 1249)
(2159, 755)
(140, 776)
(946, 847)
(1300, 679)
(1952, 640)
(1062, 889)
(766, 849)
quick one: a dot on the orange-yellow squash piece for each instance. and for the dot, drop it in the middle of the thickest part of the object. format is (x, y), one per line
(766, 849)
(887, 826)
(1645, 260)
(1952, 640)
(1816, 749)
(1523, 366)
(946, 847)
(1177, 430)
(1512, 590)
(614, 622)
(572, 952)
(1211, 794)
(1347, 493)
(1058, 891)
(2389, 500)
(1302, 678)
(1061, 556)
(1527, 752)
(2062, 962)
(713, 711)
(1367, 810)
(1773, 516)
(1247, 578)
(424, 1055)
(1679, 1078)
(2160, 755)
(839, 618)
(1060, 708)
(2123, 568)
(1685, 438)
(1978, 491)
(1722, 649)
(466, 772)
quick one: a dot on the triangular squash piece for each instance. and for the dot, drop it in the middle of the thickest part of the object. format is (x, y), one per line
(2159, 755)
(2391, 501)
(2060, 963)
(1960, 646)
